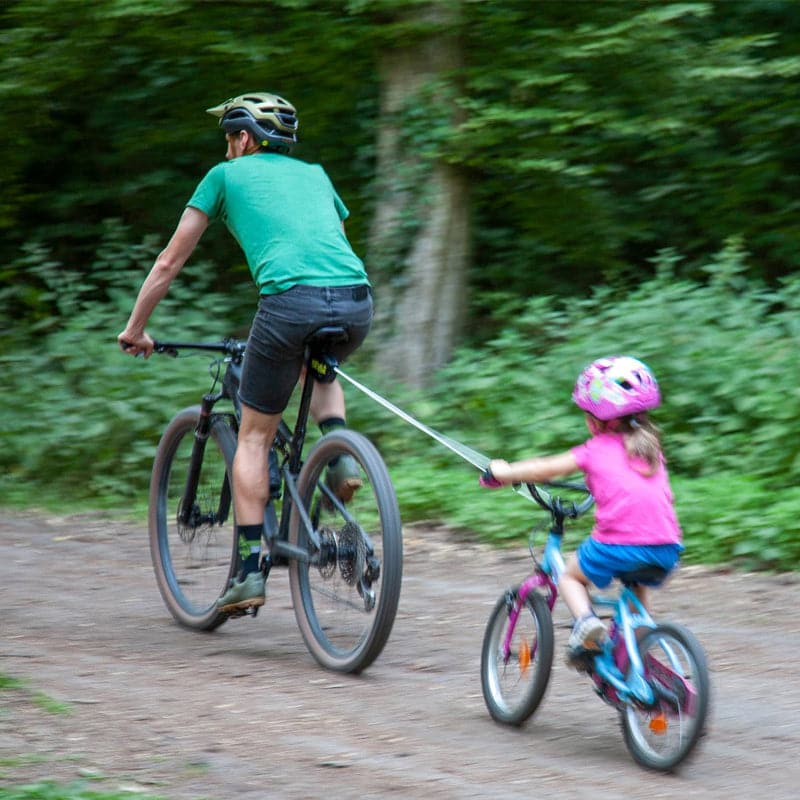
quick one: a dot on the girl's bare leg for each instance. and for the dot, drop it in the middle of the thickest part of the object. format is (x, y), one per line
(573, 588)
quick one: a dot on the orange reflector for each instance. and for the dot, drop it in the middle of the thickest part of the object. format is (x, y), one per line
(658, 725)
(524, 655)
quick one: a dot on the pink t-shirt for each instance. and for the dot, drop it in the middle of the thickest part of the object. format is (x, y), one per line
(630, 507)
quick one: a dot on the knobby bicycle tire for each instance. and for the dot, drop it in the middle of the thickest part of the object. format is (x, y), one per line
(193, 560)
(664, 735)
(514, 687)
(345, 627)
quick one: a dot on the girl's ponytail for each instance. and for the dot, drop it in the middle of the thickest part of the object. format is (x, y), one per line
(642, 440)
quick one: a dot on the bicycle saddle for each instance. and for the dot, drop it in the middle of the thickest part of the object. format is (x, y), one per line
(650, 575)
(326, 336)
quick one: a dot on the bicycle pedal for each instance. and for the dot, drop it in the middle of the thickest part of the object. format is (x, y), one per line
(582, 660)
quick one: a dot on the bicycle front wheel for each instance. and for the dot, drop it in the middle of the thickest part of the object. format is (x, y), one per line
(663, 734)
(346, 595)
(517, 657)
(192, 545)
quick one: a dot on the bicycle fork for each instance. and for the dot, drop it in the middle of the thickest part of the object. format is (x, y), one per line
(189, 512)
(545, 576)
(515, 602)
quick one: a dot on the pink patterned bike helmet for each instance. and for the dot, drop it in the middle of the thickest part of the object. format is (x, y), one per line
(616, 387)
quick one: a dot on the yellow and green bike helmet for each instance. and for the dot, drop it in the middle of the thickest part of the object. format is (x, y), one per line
(268, 117)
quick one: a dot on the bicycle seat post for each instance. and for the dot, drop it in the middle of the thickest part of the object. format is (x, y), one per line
(319, 366)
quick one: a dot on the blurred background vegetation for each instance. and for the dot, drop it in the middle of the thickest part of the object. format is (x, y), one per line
(619, 176)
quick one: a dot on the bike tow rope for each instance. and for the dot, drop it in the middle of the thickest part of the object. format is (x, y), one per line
(469, 455)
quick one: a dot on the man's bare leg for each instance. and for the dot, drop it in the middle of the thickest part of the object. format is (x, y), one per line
(250, 495)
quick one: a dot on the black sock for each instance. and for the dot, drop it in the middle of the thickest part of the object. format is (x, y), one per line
(331, 424)
(249, 538)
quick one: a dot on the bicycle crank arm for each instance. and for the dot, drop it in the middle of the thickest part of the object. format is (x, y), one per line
(278, 547)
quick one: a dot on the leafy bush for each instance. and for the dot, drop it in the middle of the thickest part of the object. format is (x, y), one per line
(49, 790)
(85, 420)
(724, 353)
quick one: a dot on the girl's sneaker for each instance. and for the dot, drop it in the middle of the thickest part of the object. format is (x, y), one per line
(588, 633)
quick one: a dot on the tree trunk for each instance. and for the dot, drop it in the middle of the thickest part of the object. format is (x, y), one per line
(419, 241)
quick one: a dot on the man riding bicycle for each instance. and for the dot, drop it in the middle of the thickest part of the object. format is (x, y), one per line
(289, 221)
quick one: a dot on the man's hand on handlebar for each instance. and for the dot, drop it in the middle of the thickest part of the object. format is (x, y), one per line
(135, 345)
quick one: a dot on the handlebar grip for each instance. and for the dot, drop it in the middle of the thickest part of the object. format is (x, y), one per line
(488, 481)
(127, 346)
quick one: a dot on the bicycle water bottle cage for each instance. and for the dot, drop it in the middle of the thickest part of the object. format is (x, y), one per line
(322, 363)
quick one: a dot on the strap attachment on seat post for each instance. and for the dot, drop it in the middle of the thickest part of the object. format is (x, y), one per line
(323, 365)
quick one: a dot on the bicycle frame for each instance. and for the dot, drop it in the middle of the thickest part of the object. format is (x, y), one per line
(620, 654)
(653, 673)
(289, 442)
(345, 583)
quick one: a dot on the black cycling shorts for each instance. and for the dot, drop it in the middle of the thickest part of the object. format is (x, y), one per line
(274, 356)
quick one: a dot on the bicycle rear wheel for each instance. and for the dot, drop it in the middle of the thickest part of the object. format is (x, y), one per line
(345, 598)
(514, 684)
(664, 734)
(193, 560)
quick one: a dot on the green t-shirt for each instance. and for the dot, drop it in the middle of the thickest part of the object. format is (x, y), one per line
(286, 217)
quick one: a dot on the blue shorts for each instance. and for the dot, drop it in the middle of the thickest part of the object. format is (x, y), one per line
(273, 359)
(601, 563)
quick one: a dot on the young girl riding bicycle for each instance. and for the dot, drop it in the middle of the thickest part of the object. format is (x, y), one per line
(635, 521)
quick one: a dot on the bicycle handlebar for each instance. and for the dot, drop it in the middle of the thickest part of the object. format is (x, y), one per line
(230, 347)
(548, 501)
(555, 505)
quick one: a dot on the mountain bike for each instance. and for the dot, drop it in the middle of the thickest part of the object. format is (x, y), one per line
(344, 559)
(653, 673)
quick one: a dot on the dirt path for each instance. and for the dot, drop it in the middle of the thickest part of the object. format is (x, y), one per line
(245, 712)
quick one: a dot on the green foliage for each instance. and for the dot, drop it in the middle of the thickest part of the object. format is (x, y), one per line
(86, 417)
(724, 352)
(45, 702)
(601, 133)
(593, 134)
(49, 790)
(103, 108)
(610, 147)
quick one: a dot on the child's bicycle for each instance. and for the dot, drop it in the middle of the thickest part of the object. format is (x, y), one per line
(345, 560)
(654, 674)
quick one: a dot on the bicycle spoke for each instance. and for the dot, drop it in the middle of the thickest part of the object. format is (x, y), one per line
(516, 658)
(664, 734)
(346, 599)
(192, 548)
